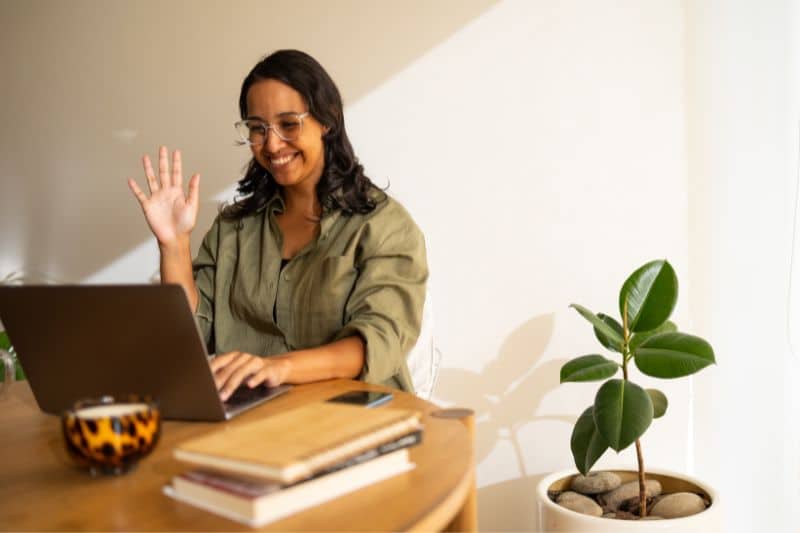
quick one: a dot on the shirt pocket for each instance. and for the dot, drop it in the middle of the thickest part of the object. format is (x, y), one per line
(331, 283)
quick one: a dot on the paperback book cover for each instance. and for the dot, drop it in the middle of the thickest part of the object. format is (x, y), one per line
(297, 444)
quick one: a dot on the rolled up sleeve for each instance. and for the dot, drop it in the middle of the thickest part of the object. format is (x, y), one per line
(204, 269)
(385, 305)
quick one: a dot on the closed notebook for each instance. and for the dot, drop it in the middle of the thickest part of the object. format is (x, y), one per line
(299, 443)
(256, 502)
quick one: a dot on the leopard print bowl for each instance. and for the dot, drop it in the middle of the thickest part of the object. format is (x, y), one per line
(109, 435)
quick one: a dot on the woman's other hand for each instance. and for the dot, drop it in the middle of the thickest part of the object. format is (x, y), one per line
(170, 213)
(239, 368)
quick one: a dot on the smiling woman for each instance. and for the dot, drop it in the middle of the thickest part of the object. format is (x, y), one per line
(313, 273)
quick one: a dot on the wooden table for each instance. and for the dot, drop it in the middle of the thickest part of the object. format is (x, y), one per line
(40, 489)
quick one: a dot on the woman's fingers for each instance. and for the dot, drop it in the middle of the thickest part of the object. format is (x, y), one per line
(220, 364)
(234, 369)
(137, 192)
(152, 183)
(225, 366)
(163, 167)
(177, 177)
(166, 178)
(252, 365)
(272, 374)
(194, 191)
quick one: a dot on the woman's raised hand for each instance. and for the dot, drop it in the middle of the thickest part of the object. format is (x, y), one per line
(170, 212)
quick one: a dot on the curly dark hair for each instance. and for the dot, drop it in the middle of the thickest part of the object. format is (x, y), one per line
(343, 184)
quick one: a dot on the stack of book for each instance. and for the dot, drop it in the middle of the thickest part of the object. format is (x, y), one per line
(261, 471)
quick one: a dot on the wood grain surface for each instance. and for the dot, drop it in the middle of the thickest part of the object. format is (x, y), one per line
(42, 490)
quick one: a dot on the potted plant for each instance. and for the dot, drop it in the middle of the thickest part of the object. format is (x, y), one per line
(622, 412)
(5, 342)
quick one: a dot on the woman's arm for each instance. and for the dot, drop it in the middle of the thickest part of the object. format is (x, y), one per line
(171, 215)
(339, 359)
(176, 267)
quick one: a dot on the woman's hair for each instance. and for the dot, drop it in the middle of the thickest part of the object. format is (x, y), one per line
(343, 184)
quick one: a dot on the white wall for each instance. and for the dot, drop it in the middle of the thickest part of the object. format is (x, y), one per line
(542, 147)
(742, 73)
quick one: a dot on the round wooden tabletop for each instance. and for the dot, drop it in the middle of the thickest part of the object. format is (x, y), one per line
(41, 489)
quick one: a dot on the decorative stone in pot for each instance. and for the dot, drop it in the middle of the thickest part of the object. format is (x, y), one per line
(673, 495)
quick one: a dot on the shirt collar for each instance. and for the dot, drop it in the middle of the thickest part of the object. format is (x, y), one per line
(330, 215)
(275, 204)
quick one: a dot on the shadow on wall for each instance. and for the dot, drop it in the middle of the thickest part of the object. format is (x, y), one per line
(113, 80)
(506, 396)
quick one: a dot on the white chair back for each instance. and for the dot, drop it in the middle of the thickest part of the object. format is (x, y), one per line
(425, 357)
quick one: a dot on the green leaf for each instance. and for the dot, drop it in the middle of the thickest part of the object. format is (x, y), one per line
(5, 342)
(651, 293)
(622, 412)
(638, 338)
(659, 402)
(673, 355)
(605, 341)
(587, 444)
(588, 368)
(20, 373)
(600, 325)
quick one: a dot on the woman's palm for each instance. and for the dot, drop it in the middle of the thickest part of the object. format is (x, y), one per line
(170, 213)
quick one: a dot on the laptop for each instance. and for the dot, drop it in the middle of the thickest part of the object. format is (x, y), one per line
(87, 341)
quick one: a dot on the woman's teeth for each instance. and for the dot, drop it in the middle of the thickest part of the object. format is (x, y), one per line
(280, 161)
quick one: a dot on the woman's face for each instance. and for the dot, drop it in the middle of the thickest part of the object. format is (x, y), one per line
(291, 163)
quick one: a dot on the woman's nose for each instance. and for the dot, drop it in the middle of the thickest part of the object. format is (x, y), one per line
(273, 142)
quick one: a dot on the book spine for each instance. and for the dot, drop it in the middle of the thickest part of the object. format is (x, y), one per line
(412, 439)
(353, 447)
(241, 486)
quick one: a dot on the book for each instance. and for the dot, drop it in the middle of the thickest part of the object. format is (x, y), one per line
(296, 444)
(257, 502)
(406, 441)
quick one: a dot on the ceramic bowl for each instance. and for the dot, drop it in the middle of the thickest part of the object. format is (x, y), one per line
(110, 435)
(553, 517)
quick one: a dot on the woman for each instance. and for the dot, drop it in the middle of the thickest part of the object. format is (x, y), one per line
(313, 273)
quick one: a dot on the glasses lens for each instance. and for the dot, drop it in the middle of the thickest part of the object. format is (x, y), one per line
(289, 127)
(251, 131)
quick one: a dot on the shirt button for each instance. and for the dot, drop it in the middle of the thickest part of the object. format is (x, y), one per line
(287, 277)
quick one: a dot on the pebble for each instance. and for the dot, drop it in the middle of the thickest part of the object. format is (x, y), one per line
(678, 504)
(625, 515)
(613, 499)
(596, 482)
(579, 503)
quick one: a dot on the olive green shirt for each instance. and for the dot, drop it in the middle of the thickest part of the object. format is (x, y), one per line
(364, 275)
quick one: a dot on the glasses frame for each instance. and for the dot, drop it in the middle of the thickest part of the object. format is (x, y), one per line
(242, 141)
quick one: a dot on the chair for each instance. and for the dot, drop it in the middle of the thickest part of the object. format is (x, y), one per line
(425, 357)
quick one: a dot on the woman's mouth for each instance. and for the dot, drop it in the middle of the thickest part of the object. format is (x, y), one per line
(278, 162)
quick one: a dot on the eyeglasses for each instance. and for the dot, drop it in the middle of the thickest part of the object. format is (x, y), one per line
(254, 131)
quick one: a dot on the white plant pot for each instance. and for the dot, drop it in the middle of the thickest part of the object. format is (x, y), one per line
(553, 517)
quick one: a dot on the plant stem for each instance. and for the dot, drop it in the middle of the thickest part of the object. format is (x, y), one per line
(626, 356)
(642, 489)
(625, 341)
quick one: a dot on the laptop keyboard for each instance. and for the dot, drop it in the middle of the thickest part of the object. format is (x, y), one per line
(245, 395)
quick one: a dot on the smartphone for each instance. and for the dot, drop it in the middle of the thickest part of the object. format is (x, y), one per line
(362, 397)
